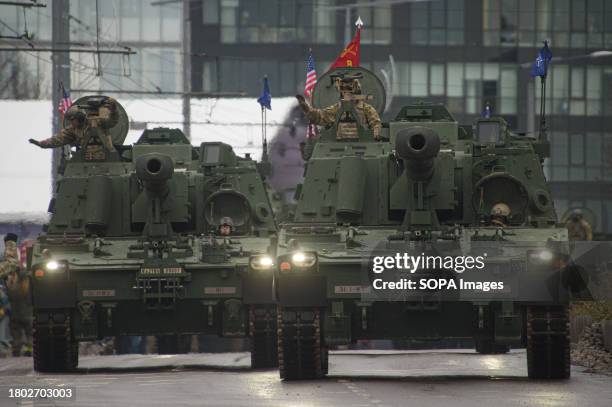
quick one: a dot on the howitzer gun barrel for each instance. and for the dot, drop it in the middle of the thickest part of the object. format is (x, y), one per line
(418, 146)
(154, 170)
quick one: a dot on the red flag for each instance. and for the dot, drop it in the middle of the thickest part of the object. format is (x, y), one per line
(350, 55)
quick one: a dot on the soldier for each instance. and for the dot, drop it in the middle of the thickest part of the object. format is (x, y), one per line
(5, 307)
(226, 226)
(349, 89)
(8, 267)
(18, 285)
(10, 264)
(578, 228)
(76, 133)
(500, 213)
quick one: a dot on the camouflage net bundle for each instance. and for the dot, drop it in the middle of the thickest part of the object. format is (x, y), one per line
(590, 351)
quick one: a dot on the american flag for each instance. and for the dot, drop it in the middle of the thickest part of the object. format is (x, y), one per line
(65, 102)
(311, 79)
(311, 76)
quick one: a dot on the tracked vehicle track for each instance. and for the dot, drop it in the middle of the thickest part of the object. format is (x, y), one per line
(55, 349)
(301, 350)
(548, 342)
(263, 331)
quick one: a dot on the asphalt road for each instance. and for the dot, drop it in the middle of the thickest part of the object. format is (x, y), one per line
(357, 378)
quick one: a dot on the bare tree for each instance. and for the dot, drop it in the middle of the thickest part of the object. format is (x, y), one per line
(16, 80)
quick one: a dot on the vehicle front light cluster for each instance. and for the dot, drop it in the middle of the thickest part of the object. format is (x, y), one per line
(540, 256)
(303, 259)
(261, 262)
(50, 267)
(299, 260)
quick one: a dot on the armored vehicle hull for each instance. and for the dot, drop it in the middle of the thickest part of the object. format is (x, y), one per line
(135, 246)
(371, 215)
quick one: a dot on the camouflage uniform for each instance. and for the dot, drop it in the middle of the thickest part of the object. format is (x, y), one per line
(68, 135)
(21, 314)
(579, 229)
(5, 308)
(77, 135)
(367, 115)
(10, 264)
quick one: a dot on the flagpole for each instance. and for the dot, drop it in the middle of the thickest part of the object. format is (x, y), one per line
(264, 155)
(543, 136)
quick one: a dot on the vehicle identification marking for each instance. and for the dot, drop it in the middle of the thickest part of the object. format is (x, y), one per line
(350, 289)
(98, 293)
(161, 270)
(219, 290)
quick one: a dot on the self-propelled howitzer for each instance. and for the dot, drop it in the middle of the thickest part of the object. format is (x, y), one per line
(133, 247)
(436, 191)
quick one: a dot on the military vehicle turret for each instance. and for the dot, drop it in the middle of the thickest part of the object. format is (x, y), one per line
(431, 191)
(135, 246)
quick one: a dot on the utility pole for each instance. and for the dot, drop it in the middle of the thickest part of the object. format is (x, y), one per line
(60, 73)
(186, 70)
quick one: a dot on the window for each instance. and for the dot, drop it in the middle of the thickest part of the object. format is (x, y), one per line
(567, 23)
(437, 23)
(377, 22)
(436, 79)
(210, 11)
(274, 21)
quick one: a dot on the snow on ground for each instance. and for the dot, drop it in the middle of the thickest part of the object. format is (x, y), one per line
(25, 175)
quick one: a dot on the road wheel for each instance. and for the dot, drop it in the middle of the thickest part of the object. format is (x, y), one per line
(263, 332)
(302, 353)
(54, 347)
(548, 342)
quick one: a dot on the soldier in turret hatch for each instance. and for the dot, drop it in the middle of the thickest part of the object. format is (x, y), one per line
(350, 91)
(577, 227)
(77, 133)
(226, 226)
(500, 213)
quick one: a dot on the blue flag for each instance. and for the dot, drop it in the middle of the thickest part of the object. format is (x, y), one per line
(540, 66)
(487, 111)
(265, 100)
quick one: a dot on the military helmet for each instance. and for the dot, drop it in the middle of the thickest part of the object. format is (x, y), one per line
(351, 85)
(10, 237)
(576, 214)
(226, 221)
(500, 209)
(75, 114)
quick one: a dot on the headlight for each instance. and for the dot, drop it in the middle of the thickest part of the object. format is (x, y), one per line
(540, 256)
(261, 262)
(303, 259)
(51, 267)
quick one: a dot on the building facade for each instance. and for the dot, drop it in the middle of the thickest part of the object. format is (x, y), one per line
(458, 52)
(153, 31)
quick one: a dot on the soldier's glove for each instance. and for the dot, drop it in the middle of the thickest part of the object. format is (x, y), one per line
(35, 142)
(377, 136)
(303, 104)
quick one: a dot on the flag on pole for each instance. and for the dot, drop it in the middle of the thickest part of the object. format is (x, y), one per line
(265, 100)
(311, 75)
(65, 102)
(487, 111)
(311, 80)
(350, 55)
(540, 66)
